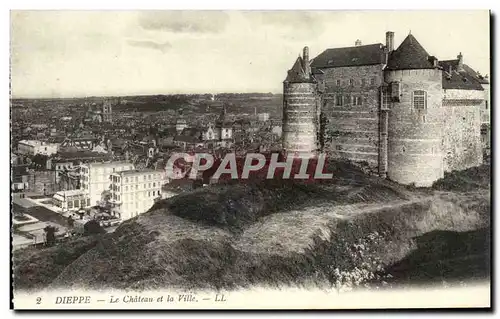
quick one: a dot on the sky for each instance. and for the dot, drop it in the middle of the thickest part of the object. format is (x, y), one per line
(99, 53)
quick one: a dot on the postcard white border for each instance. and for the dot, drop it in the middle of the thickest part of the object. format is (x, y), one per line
(225, 4)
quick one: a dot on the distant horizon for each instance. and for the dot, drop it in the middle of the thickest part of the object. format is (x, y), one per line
(136, 95)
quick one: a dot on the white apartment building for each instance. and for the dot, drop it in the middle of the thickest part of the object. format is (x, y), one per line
(133, 192)
(95, 178)
(33, 147)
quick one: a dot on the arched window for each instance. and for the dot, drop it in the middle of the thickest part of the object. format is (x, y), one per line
(419, 100)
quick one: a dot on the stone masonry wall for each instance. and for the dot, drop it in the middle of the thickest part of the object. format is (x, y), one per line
(352, 130)
(300, 118)
(462, 129)
(415, 135)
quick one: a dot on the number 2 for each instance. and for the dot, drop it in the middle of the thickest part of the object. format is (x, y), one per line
(38, 300)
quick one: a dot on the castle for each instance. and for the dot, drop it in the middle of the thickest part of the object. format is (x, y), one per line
(408, 115)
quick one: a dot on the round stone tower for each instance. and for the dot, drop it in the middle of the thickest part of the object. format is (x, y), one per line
(415, 126)
(300, 100)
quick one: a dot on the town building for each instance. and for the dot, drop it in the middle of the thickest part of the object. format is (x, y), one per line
(95, 178)
(180, 123)
(67, 173)
(263, 117)
(407, 115)
(224, 130)
(100, 112)
(218, 134)
(79, 143)
(34, 147)
(133, 192)
(71, 200)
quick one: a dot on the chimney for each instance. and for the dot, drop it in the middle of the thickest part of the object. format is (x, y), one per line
(357, 43)
(434, 61)
(460, 58)
(389, 41)
(305, 58)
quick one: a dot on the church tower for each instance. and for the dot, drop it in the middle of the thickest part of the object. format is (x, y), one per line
(181, 123)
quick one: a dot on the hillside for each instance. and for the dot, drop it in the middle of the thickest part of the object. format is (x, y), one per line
(348, 231)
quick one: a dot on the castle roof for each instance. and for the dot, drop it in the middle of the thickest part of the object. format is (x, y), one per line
(465, 79)
(297, 73)
(409, 55)
(481, 79)
(350, 56)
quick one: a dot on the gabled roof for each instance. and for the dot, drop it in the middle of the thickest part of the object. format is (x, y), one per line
(466, 79)
(350, 56)
(409, 55)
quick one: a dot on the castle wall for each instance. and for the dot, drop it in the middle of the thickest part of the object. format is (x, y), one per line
(415, 136)
(299, 118)
(485, 106)
(352, 131)
(485, 112)
(462, 129)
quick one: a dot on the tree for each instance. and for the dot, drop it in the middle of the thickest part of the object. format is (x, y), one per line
(106, 199)
(323, 121)
(92, 227)
(39, 160)
(50, 235)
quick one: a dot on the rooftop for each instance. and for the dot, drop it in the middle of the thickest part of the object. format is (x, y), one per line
(73, 192)
(409, 55)
(136, 172)
(80, 154)
(465, 79)
(108, 164)
(350, 56)
(33, 142)
(297, 73)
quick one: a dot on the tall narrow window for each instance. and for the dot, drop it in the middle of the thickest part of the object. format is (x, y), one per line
(339, 100)
(347, 100)
(351, 82)
(372, 81)
(419, 100)
(339, 82)
(356, 100)
(363, 82)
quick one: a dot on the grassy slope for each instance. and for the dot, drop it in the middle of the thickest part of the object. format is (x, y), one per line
(36, 268)
(232, 236)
